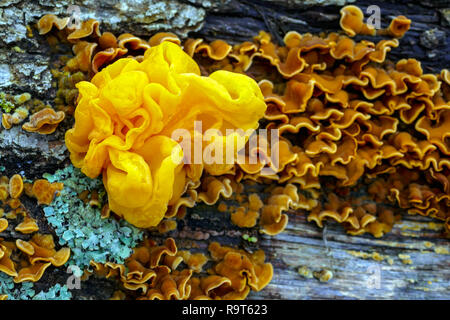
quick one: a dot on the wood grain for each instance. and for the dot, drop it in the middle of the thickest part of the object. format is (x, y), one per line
(302, 244)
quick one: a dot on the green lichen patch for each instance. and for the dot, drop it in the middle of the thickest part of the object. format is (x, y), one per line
(80, 226)
(249, 238)
(67, 92)
(6, 105)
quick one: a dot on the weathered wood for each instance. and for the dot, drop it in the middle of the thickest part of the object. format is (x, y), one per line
(239, 20)
(351, 260)
(412, 260)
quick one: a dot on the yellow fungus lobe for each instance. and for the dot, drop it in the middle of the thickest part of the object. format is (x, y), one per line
(126, 117)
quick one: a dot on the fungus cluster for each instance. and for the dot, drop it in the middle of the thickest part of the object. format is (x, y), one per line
(154, 272)
(345, 112)
(126, 117)
(43, 120)
(352, 22)
(20, 259)
(10, 192)
(361, 139)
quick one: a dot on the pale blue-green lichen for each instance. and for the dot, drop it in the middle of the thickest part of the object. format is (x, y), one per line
(80, 226)
(57, 292)
(26, 291)
(22, 291)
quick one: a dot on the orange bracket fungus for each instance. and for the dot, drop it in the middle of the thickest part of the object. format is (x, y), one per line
(28, 225)
(45, 191)
(46, 23)
(398, 27)
(352, 22)
(87, 28)
(15, 186)
(3, 224)
(44, 122)
(19, 115)
(40, 254)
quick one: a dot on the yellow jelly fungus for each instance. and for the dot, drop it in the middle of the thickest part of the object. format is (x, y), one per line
(127, 114)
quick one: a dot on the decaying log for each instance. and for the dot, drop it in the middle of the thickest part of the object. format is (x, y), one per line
(411, 262)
